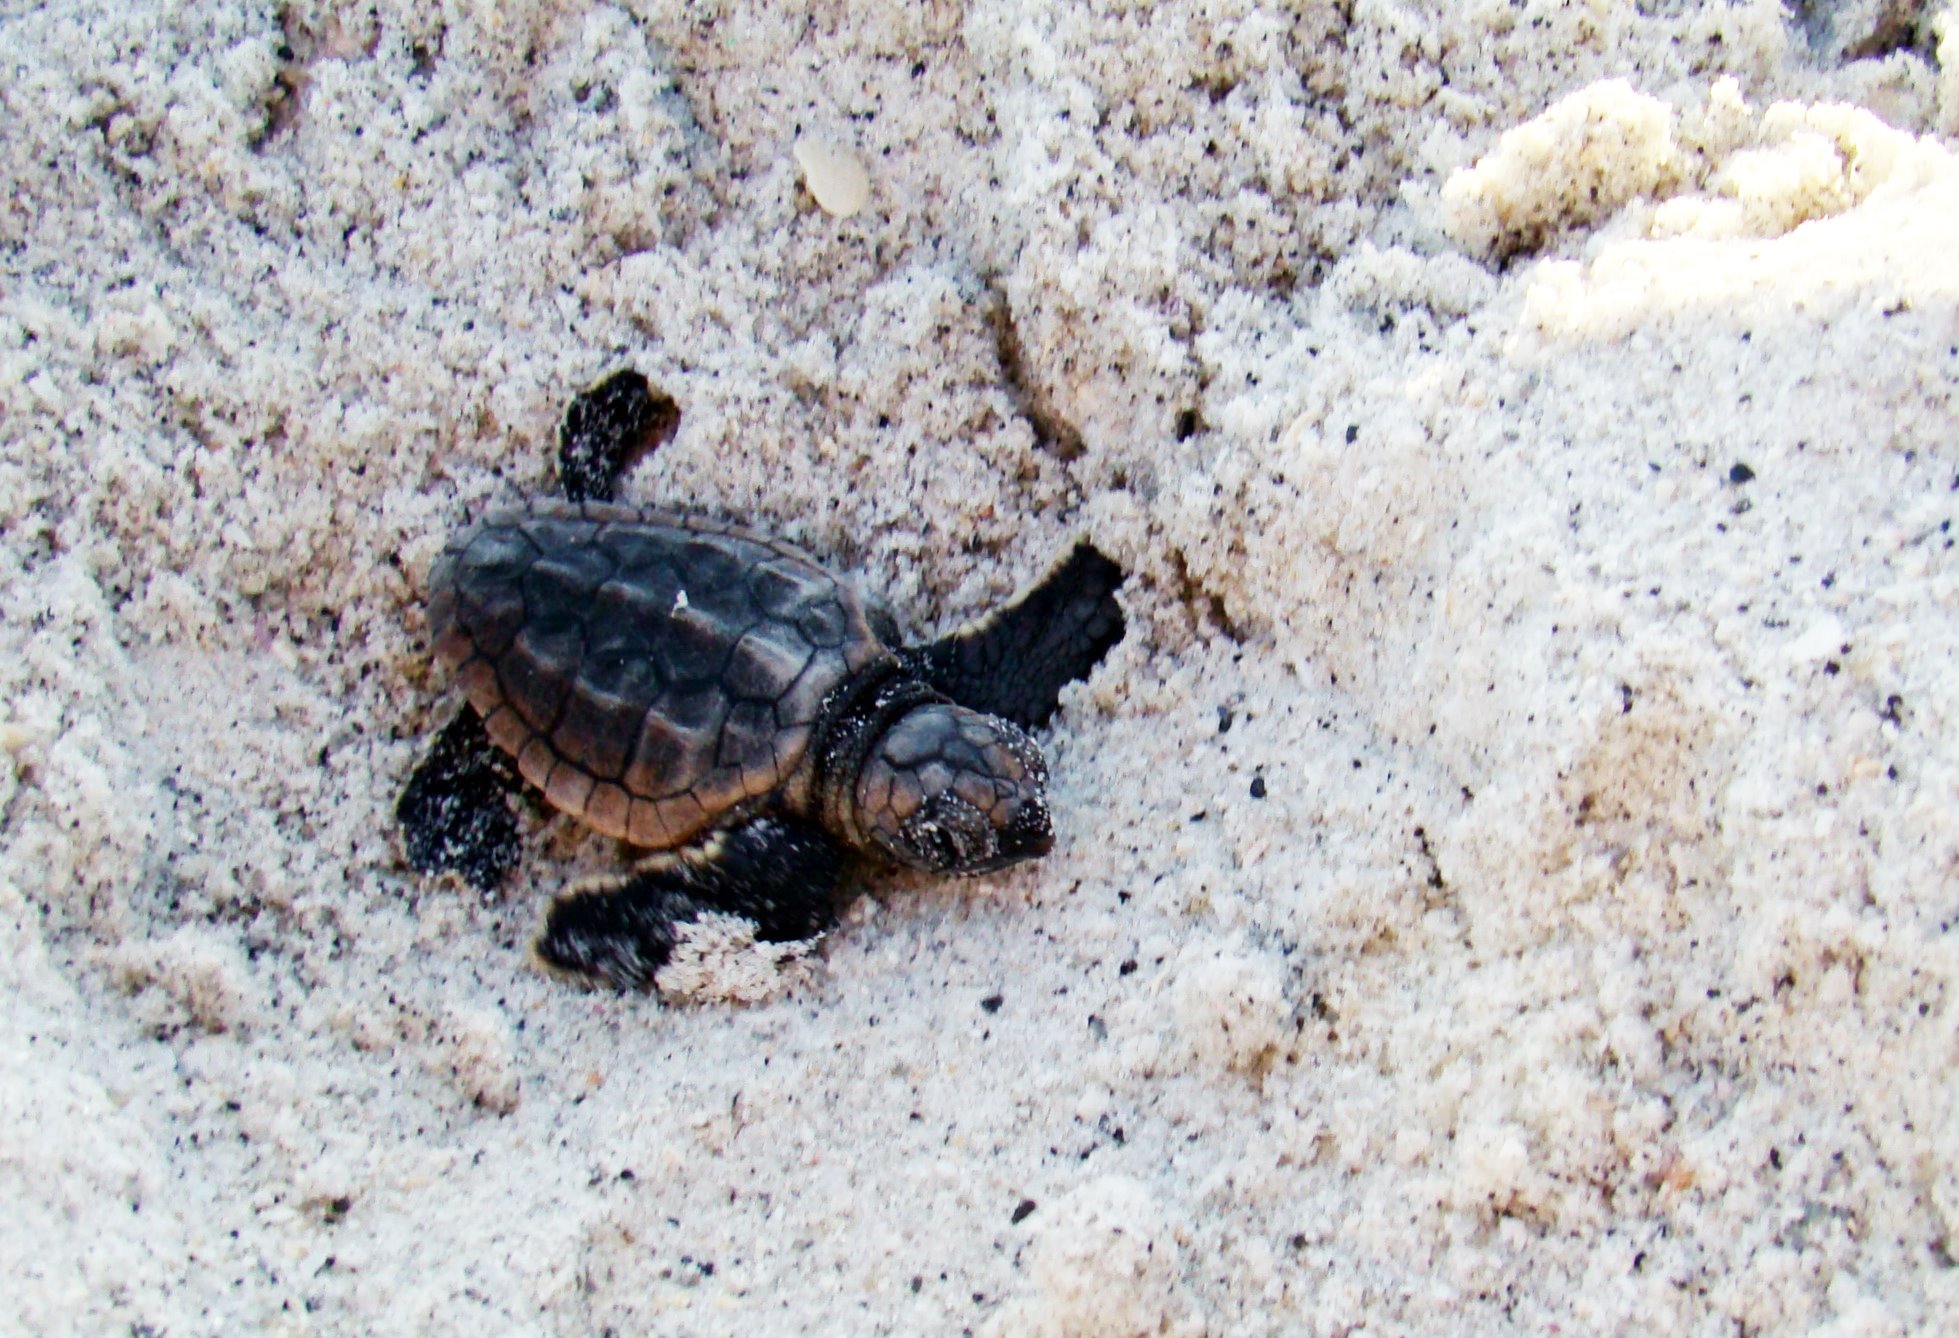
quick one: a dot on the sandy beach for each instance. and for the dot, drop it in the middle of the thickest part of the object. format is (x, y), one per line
(1506, 880)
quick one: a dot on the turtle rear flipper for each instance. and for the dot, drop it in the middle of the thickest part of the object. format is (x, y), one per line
(1014, 662)
(777, 873)
(455, 810)
(606, 428)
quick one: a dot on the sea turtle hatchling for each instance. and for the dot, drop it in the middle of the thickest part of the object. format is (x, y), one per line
(703, 691)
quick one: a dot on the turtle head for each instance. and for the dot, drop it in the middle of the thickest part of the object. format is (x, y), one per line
(949, 790)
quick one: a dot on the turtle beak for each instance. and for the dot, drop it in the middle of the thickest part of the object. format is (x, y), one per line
(1029, 835)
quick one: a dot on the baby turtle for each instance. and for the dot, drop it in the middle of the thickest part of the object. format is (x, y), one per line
(706, 692)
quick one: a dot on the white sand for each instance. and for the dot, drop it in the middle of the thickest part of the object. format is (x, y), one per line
(1530, 426)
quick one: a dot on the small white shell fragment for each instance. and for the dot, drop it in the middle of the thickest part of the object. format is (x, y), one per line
(834, 175)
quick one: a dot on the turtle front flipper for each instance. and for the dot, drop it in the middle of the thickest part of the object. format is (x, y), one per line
(455, 810)
(778, 873)
(1014, 662)
(606, 428)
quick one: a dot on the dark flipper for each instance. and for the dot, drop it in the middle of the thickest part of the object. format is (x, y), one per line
(1014, 662)
(605, 429)
(779, 874)
(455, 809)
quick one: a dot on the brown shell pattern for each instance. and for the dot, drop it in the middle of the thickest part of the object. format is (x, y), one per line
(648, 671)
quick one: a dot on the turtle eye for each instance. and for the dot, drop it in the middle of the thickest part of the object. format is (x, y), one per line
(949, 835)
